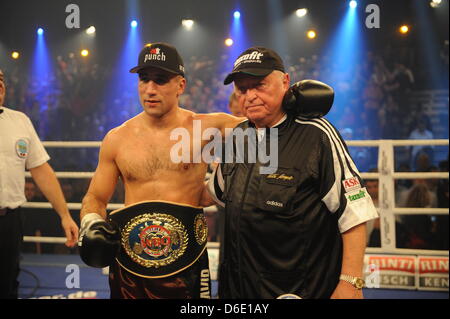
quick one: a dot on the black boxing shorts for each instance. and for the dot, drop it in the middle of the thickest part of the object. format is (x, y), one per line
(192, 283)
(162, 253)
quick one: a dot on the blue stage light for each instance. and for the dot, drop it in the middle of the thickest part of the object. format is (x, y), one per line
(237, 14)
(353, 4)
(346, 51)
(119, 91)
(40, 31)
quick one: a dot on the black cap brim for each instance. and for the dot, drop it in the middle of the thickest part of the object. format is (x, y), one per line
(251, 71)
(136, 69)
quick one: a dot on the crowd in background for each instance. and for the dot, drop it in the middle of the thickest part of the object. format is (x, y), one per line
(76, 101)
(71, 105)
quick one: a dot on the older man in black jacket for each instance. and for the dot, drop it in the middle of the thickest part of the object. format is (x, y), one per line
(296, 230)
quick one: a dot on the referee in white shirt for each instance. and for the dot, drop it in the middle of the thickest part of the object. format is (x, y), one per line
(20, 149)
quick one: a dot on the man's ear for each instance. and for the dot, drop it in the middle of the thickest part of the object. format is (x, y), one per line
(286, 81)
(181, 85)
(2, 92)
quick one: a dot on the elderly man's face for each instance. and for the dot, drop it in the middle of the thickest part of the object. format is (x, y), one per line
(261, 98)
(2, 88)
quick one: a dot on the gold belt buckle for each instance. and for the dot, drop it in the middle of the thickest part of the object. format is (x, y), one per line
(154, 240)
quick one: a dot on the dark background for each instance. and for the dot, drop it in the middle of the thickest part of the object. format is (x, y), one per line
(160, 20)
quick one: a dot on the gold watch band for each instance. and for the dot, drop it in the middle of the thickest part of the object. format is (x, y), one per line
(357, 282)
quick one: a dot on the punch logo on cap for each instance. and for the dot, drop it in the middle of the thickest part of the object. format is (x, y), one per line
(160, 55)
(155, 54)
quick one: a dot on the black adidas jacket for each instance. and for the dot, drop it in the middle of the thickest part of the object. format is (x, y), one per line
(283, 230)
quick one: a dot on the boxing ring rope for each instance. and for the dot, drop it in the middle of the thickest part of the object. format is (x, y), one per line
(385, 175)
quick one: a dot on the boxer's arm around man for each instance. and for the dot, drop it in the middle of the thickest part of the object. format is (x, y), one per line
(220, 121)
(46, 180)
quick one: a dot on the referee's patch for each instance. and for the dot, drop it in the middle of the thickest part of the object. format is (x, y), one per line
(22, 148)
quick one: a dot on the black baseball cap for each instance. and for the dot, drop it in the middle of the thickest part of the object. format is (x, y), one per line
(256, 61)
(160, 55)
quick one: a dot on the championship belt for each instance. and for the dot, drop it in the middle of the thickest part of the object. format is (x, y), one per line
(159, 239)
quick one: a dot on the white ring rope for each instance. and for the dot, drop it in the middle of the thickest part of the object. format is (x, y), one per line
(216, 245)
(375, 143)
(111, 206)
(74, 144)
(426, 175)
(399, 175)
(73, 206)
(406, 251)
(420, 211)
(44, 240)
(79, 175)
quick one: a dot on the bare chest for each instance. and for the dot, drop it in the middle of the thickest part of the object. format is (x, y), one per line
(147, 159)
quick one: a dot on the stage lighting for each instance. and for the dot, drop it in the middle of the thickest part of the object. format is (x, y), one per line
(404, 29)
(133, 24)
(15, 55)
(301, 12)
(40, 31)
(229, 42)
(236, 14)
(84, 53)
(353, 4)
(90, 30)
(435, 3)
(311, 34)
(187, 23)
(148, 44)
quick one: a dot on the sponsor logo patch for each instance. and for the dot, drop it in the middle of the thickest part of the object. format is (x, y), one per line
(155, 54)
(351, 184)
(254, 57)
(356, 195)
(274, 203)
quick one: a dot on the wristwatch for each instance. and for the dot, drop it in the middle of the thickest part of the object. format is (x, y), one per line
(357, 282)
